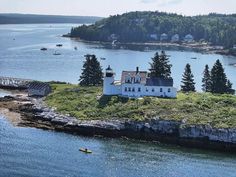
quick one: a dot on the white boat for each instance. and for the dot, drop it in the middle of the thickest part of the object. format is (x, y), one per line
(56, 53)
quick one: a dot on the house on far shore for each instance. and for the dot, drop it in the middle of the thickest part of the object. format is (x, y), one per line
(39, 89)
(137, 84)
(188, 38)
(153, 36)
(113, 37)
(175, 38)
(164, 37)
(234, 46)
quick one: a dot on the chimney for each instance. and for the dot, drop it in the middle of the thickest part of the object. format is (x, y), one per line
(137, 70)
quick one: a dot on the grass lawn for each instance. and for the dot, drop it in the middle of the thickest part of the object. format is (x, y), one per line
(195, 108)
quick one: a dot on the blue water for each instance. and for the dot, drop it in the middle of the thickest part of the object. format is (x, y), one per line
(29, 152)
(22, 57)
(4, 93)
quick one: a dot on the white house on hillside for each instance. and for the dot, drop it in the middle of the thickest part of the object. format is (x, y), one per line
(164, 37)
(188, 38)
(137, 84)
(175, 38)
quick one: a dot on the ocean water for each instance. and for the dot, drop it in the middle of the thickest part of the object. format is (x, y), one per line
(30, 152)
(20, 56)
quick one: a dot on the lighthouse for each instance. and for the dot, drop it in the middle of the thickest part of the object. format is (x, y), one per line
(108, 81)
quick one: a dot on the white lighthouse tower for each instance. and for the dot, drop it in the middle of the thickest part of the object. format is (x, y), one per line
(108, 81)
(110, 86)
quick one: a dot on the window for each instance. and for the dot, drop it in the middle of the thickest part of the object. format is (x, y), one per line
(125, 89)
(139, 89)
(129, 89)
(153, 90)
(128, 79)
(137, 79)
(161, 89)
(146, 89)
(169, 90)
(133, 89)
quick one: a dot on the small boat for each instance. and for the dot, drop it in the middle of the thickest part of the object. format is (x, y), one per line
(59, 45)
(85, 150)
(232, 64)
(75, 48)
(194, 58)
(56, 53)
(103, 58)
(114, 43)
(43, 49)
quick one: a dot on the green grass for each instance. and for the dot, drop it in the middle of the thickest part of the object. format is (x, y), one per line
(194, 108)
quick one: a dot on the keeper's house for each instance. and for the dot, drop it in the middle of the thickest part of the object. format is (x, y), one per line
(137, 84)
(39, 89)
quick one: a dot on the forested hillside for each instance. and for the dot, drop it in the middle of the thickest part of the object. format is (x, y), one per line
(217, 29)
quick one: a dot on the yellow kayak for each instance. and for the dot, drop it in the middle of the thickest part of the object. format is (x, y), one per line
(85, 150)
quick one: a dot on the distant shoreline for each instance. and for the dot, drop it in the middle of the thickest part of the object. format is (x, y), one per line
(45, 19)
(197, 47)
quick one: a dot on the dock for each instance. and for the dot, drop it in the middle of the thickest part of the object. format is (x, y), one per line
(14, 83)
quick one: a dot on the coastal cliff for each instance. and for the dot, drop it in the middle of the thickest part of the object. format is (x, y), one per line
(36, 114)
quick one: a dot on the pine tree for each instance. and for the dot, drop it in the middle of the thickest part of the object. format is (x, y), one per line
(91, 72)
(229, 87)
(187, 80)
(218, 78)
(160, 66)
(206, 80)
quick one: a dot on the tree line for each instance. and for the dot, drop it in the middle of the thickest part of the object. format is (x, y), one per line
(217, 29)
(214, 80)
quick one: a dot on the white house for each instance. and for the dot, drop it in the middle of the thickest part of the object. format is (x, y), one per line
(164, 37)
(137, 84)
(153, 36)
(188, 38)
(175, 38)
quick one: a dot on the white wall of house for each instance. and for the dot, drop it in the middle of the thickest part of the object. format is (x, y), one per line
(132, 90)
(140, 90)
(109, 88)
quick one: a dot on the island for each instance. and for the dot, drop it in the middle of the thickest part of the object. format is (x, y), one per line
(210, 33)
(199, 120)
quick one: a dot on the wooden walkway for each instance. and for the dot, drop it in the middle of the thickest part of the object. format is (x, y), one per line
(14, 82)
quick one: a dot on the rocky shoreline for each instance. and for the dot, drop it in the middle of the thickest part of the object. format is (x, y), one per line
(34, 113)
(197, 47)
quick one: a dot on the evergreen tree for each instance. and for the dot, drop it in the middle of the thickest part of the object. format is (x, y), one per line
(91, 72)
(206, 80)
(187, 80)
(229, 87)
(160, 66)
(218, 78)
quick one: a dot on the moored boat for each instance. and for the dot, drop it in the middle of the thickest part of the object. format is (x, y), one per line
(43, 48)
(85, 150)
(56, 53)
(59, 45)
